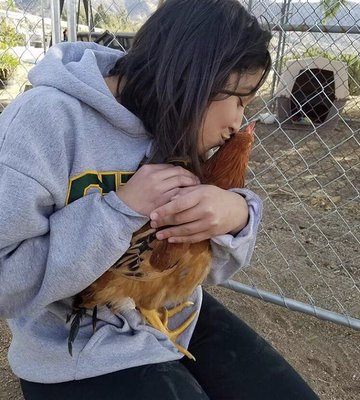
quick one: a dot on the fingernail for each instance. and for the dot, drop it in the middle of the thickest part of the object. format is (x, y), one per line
(171, 240)
(153, 224)
(154, 215)
(160, 236)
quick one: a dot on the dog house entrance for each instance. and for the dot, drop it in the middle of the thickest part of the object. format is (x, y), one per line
(313, 95)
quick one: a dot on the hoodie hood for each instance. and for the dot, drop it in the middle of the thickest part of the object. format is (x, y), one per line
(78, 69)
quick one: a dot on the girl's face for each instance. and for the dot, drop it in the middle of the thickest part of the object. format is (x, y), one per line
(223, 117)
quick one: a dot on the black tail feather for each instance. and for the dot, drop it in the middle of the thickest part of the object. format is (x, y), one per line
(94, 318)
(75, 317)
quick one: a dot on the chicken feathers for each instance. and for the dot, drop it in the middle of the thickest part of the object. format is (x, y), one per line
(155, 273)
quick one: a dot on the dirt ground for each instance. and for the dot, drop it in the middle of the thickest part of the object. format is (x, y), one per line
(308, 250)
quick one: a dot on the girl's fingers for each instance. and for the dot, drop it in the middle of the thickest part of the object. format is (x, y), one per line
(199, 237)
(167, 197)
(178, 181)
(167, 179)
(178, 205)
(198, 213)
(184, 217)
(176, 171)
(156, 183)
(191, 229)
(163, 172)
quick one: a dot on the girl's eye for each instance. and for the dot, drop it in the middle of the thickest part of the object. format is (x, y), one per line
(245, 100)
(240, 102)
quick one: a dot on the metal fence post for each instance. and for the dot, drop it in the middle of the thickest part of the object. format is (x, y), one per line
(71, 20)
(55, 21)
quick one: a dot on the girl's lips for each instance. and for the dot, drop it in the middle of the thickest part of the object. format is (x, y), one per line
(224, 138)
(227, 136)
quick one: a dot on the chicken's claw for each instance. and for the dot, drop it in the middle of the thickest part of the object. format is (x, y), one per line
(159, 321)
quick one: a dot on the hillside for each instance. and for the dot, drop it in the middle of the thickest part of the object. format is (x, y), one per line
(299, 13)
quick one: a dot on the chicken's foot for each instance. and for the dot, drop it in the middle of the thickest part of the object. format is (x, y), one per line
(168, 313)
(159, 321)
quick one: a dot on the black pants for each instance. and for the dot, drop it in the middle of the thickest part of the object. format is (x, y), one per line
(232, 363)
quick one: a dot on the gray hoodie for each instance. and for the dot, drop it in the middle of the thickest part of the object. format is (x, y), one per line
(65, 147)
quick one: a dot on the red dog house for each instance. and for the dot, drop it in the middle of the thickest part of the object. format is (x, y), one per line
(312, 91)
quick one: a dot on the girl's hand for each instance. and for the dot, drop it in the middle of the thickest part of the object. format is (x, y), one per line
(153, 185)
(200, 212)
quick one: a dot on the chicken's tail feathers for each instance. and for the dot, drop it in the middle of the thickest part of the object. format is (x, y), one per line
(94, 318)
(75, 318)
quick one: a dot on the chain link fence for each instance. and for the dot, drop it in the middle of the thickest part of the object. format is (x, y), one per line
(24, 34)
(306, 160)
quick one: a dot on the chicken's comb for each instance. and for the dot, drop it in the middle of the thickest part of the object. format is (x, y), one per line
(251, 127)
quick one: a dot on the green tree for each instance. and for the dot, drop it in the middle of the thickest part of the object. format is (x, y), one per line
(8, 64)
(330, 8)
(101, 17)
(114, 22)
(10, 4)
(9, 37)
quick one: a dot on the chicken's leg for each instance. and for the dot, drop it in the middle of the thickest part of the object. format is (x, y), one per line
(159, 321)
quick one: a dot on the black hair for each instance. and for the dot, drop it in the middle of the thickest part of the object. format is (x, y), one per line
(180, 59)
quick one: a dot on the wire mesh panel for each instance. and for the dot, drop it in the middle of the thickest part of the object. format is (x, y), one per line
(306, 159)
(26, 30)
(24, 36)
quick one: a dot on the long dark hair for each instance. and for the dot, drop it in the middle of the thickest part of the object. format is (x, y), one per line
(181, 57)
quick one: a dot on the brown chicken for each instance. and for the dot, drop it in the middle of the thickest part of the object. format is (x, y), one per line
(153, 272)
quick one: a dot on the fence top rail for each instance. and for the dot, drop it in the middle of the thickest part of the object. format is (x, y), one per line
(355, 29)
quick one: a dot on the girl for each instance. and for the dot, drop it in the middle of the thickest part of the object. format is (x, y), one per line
(69, 209)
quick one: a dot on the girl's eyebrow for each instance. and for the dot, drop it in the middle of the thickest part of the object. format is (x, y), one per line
(250, 90)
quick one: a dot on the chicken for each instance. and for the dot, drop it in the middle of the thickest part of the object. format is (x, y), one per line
(154, 273)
